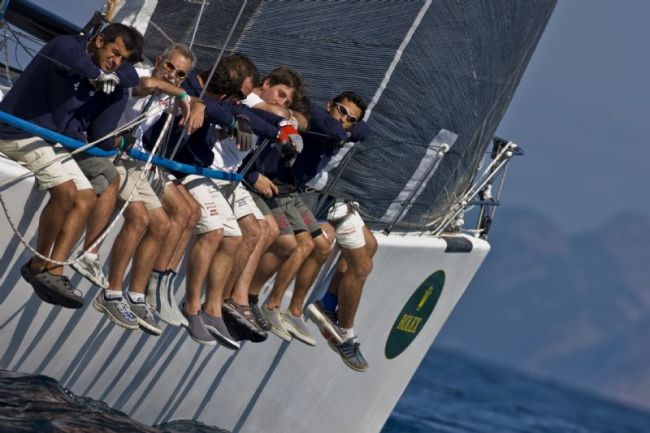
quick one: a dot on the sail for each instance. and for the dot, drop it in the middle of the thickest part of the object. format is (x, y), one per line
(425, 67)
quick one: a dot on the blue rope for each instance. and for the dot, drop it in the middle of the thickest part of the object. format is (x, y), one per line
(137, 154)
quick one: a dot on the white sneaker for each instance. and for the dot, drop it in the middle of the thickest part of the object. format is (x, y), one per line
(296, 326)
(274, 317)
(171, 299)
(91, 269)
(158, 300)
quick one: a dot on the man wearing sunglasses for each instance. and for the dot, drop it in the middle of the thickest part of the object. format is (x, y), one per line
(332, 132)
(151, 227)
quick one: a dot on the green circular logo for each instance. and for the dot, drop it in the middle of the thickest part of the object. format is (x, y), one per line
(414, 315)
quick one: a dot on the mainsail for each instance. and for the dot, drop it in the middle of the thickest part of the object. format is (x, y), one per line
(425, 67)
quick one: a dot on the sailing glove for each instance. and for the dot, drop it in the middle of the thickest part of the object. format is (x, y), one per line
(359, 131)
(289, 135)
(243, 132)
(106, 82)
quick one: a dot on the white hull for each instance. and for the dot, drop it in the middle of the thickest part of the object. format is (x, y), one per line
(272, 387)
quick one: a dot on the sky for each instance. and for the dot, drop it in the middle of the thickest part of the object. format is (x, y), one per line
(580, 113)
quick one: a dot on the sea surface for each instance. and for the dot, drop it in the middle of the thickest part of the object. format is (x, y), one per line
(450, 393)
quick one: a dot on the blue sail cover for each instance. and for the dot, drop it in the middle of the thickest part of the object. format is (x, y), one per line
(424, 67)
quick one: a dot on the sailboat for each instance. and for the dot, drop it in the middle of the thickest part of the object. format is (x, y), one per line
(439, 76)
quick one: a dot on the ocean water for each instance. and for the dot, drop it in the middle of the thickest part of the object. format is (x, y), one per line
(450, 393)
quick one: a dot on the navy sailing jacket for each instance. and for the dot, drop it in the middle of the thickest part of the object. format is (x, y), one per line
(54, 86)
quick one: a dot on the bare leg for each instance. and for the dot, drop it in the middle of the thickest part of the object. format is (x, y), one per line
(148, 249)
(72, 228)
(180, 215)
(184, 240)
(279, 251)
(251, 237)
(289, 268)
(359, 267)
(219, 273)
(200, 258)
(309, 271)
(136, 220)
(371, 248)
(101, 215)
(62, 199)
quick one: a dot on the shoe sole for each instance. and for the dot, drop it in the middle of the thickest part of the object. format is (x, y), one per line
(324, 325)
(99, 307)
(48, 295)
(224, 341)
(88, 276)
(244, 331)
(299, 335)
(203, 342)
(352, 366)
(145, 327)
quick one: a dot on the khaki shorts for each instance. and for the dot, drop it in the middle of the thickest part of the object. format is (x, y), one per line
(130, 172)
(216, 213)
(298, 215)
(34, 152)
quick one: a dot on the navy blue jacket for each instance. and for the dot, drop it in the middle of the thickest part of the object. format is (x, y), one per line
(54, 87)
(317, 151)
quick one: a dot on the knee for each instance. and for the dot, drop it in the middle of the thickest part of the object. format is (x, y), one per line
(363, 268)
(183, 217)
(285, 247)
(85, 201)
(213, 237)
(160, 225)
(371, 245)
(64, 195)
(306, 245)
(138, 221)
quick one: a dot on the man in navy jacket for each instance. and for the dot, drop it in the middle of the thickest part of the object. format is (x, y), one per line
(66, 77)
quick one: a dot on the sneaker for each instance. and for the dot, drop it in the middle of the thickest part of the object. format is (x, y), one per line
(241, 322)
(274, 317)
(296, 326)
(53, 289)
(197, 329)
(326, 321)
(159, 301)
(351, 354)
(219, 330)
(144, 316)
(91, 269)
(171, 300)
(117, 310)
(259, 318)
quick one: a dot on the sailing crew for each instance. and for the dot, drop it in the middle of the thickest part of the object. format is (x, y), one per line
(147, 221)
(70, 76)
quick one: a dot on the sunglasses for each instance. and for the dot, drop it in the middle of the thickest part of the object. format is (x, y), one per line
(343, 111)
(170, 67)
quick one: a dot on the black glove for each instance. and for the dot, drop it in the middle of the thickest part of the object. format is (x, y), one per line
(128, 140)
(243, 133)
(359, 131)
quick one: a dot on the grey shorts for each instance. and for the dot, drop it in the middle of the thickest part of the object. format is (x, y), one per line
(298, 216)
(100, 171)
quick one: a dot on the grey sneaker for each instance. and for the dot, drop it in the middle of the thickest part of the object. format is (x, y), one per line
(219, 330)
(241, 323)
(91, 270)
(158, 299)
(144, 316)
(171, 300)
(197, 330)
(274, 317)
(351, 354)
(53, 289)
(326, 321)
(117, 310)
(296, 326)
(259, 318)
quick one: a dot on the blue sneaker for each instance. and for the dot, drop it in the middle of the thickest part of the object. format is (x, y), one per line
(351, 354)
(326, 320)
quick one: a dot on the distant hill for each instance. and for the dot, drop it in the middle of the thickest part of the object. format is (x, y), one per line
(573, 308)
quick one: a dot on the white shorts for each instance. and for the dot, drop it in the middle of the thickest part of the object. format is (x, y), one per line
(216, 213)
(130, 172)
(34, 152)
(242, 202)
(349, 231)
